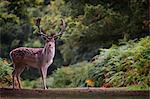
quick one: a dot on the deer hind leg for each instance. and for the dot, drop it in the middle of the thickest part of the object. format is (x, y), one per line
(20, 70)
(16, 75)
(43, 71)
(13, 78)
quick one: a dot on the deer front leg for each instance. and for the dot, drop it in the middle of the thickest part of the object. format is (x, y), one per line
(43, 71)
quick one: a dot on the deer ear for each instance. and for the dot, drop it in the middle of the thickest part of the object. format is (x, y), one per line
(43, 38)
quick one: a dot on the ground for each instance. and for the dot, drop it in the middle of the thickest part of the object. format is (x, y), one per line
(74, 93)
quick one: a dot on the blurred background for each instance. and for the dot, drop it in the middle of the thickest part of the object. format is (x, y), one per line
(106, 42)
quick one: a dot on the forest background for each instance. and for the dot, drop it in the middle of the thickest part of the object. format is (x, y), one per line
(106, 42)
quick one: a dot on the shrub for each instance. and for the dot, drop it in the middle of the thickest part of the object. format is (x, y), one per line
(72, 76)
(127, 64)
(5, 73)
(119, 66)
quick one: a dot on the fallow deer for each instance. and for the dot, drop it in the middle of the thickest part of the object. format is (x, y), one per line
(40, 58)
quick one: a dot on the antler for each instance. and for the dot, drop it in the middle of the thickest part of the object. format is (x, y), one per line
(41, 32)
(62, 29)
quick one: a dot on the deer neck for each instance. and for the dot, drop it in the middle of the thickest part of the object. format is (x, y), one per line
(49, 51)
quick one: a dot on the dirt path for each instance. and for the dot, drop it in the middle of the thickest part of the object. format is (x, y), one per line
(74, 93)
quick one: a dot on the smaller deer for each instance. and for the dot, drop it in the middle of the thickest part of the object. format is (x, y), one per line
(40, 58)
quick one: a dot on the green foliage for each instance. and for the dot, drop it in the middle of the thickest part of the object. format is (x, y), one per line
(37, 83)
(71, 76)
(5, 73)
(14, 29)
(97, 26)
(119, 66)
(34, 43)
(32, 83)
(138, 87)
(126, 64)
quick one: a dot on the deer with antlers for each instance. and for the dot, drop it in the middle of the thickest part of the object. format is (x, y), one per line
(40, 58)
